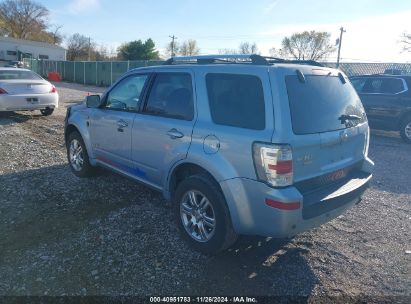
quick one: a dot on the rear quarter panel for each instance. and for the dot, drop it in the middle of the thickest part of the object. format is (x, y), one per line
(234, 156)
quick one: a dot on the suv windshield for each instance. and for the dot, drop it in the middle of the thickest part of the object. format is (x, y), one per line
(18, 74)
(323, 104)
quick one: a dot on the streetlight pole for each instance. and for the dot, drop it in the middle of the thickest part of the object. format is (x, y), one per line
(342, 30)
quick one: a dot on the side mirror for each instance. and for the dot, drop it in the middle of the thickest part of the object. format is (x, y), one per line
(93, 101)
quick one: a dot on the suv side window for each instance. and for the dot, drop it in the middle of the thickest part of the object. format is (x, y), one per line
(236, 100)
(126, 94)
(383, 85)
(358, 83)
(392, 86)
(171, 96)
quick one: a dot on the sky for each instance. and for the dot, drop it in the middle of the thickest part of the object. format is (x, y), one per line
(373, 27)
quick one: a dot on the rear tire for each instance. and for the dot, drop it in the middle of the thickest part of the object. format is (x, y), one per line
(47, 111)
(77, 156)
(202, 215)
(405, 129)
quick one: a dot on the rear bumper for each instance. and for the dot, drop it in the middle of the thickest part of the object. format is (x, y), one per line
(251, 216)
(21, 103)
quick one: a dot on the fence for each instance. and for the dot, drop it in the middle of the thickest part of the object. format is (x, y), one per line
(357, 68)
(104, 73)
(100, 73)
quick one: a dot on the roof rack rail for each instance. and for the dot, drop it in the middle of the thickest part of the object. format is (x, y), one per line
(252, 58)
(209, 59)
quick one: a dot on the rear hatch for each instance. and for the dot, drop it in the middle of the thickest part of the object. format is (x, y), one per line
(24, 87)
(329, 129)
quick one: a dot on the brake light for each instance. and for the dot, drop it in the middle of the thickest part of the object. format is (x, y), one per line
(273, 164)
(3, 91)
(53, 89)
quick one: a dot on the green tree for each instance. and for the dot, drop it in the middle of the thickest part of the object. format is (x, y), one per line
(308, 45)
(138, 50)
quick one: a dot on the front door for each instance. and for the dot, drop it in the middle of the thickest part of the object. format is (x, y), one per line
(111, 126)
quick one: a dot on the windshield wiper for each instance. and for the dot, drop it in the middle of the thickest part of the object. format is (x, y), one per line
(346, 117)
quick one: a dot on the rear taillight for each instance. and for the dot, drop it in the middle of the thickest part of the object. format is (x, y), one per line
(3, 91)
(273, 164)
(53, 89)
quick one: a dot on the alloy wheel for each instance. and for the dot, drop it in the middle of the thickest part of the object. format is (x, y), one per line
(76, 155)
(407, 130)
(198, 216)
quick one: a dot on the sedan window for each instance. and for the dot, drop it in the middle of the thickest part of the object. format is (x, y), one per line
(18, 74)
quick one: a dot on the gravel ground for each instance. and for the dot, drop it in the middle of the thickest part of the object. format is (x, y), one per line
(60, 235)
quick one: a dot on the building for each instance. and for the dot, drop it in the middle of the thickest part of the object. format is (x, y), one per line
(12, 49)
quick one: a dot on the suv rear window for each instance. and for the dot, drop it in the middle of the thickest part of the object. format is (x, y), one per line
(236, 100)
(319, 104)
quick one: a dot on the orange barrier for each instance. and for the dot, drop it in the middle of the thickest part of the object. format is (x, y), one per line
(54, 76)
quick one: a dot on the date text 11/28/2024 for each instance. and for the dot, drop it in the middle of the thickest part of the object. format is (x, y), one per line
(239, 299)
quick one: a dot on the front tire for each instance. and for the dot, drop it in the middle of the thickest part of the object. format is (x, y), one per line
(47, 111)
(77, 156)
(405, 129)
(202, 215)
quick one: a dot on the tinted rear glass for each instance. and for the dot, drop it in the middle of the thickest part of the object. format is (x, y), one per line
(236, 100)
(318, 104)
(18, 74)
(382, 85)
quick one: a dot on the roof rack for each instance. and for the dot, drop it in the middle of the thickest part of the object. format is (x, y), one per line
(232, 59)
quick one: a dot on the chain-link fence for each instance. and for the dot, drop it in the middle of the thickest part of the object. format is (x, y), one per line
(104, 73)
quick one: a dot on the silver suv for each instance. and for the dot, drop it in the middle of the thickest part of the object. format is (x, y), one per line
(239, 144)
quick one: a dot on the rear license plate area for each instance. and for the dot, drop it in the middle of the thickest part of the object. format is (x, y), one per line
(335, 176)
(32, 100)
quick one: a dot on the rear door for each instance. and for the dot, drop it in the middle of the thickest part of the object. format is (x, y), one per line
(328, 123)
(111, 126)
(162, 130)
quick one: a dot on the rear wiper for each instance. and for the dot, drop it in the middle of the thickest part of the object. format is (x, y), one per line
(346, 117)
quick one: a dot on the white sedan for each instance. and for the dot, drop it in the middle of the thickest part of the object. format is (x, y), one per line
(24, 90)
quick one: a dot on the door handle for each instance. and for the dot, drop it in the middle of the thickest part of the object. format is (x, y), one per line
(122, 124)
(174, 133)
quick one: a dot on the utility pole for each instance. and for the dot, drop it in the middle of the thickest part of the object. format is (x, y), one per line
(89, 48)
(342, 30)
(173, 45)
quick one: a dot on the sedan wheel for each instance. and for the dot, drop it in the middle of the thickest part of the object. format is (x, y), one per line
(47, 111)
